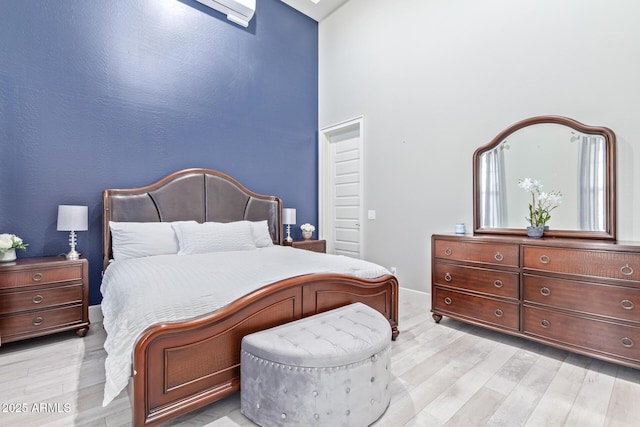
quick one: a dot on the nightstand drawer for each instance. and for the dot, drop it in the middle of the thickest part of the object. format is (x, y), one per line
(41, 298)
(311, 245)
(39, 321)
(38, 276)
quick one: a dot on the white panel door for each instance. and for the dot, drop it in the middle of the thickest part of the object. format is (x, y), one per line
(341, 188)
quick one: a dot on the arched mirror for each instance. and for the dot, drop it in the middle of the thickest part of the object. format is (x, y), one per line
(564, 155)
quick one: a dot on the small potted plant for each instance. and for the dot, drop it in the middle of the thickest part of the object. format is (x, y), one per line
(540, 207)
(8, 245)
(307, 230)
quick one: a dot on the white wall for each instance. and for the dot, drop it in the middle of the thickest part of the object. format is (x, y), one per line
(435, 79)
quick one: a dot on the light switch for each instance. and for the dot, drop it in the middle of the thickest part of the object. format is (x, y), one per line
(371, 214)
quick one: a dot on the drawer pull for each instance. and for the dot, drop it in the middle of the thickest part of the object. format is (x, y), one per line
(545, 259)
(37, 277)
(448, 251)
(498, 256)
(545, 324)
(38, 321)
(448, 277)
(545, 292)
(626, 270)
(448, 301)
(627, 342)
(498, 283)
(627, 304)
(37, 299)
(499, 313)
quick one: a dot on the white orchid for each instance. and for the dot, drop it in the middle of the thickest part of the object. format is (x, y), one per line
(11, 241)
(307, 227)
(542, 203)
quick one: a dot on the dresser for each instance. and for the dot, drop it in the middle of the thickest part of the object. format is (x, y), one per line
(41, 296)
(575, 294)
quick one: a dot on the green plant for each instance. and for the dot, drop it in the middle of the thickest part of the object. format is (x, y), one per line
(541, 203)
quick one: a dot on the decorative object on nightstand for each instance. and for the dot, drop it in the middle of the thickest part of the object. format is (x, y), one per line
(73, 218)
(8, 245)
(311, 245)
(288, 219)
(307, 230)
(42, 296)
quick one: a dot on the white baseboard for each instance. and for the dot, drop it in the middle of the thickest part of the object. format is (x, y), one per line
(422, 299)
(95, 313)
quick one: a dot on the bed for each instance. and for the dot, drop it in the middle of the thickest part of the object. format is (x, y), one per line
(178, 366)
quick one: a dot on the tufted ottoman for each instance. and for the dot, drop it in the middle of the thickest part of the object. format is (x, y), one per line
(331, 369)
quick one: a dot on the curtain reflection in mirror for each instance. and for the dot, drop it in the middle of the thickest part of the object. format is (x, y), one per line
(492, 191)
(591, 179)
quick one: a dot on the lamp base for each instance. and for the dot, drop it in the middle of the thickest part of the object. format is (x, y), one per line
(73, 254)
(288, 239)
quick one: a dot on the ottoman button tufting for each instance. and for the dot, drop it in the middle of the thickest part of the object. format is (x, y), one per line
(302, 357)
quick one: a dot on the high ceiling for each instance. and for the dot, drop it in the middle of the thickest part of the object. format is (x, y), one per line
(316, 9)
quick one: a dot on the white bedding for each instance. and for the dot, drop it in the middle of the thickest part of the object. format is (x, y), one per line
(139, 292)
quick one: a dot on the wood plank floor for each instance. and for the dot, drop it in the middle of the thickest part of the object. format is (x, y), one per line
(450, 374)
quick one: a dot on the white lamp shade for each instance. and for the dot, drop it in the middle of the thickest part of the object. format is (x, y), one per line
(73, 218)
(288, 216)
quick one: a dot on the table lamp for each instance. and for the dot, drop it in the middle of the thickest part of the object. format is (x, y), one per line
(288, 219)
(73, 218)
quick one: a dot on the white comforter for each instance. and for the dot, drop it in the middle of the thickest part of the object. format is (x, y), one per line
(142, 291)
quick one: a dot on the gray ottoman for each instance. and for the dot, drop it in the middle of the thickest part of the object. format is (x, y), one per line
(331, 369)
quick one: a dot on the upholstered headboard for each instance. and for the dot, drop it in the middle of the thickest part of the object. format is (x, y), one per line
(191, 194)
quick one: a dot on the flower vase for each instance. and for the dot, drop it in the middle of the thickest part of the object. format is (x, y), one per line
(535, 232)
(8, 256)
(306, 235)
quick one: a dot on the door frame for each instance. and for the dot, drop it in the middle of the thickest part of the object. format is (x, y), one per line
(325, 180)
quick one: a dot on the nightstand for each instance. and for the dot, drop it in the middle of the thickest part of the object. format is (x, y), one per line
(41, 296)
(311, 245)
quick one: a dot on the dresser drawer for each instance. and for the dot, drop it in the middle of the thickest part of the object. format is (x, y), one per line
(603, 300)
(41, 275)
(487, 310)
(613, 339)
(492, 282)
(485, 253)
(13, 302)
(605, 264)
(34, 322)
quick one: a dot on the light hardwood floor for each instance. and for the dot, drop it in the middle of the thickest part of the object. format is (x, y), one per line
(450, 374)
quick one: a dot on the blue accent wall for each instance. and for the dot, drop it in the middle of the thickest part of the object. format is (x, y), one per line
(119, 93)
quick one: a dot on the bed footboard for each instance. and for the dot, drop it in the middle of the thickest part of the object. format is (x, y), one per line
(181, 366)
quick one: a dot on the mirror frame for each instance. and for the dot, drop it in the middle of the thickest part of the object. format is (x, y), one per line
(610, 205)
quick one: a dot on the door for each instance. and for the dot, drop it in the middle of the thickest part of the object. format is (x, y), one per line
(341, 184)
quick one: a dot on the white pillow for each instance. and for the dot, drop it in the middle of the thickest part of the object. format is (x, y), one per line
(139, 239)
(261, 235)
(194, 238)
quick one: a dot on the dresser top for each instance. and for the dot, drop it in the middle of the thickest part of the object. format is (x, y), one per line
(593, 244)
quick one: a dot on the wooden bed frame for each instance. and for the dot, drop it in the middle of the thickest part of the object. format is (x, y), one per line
(181, 366)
